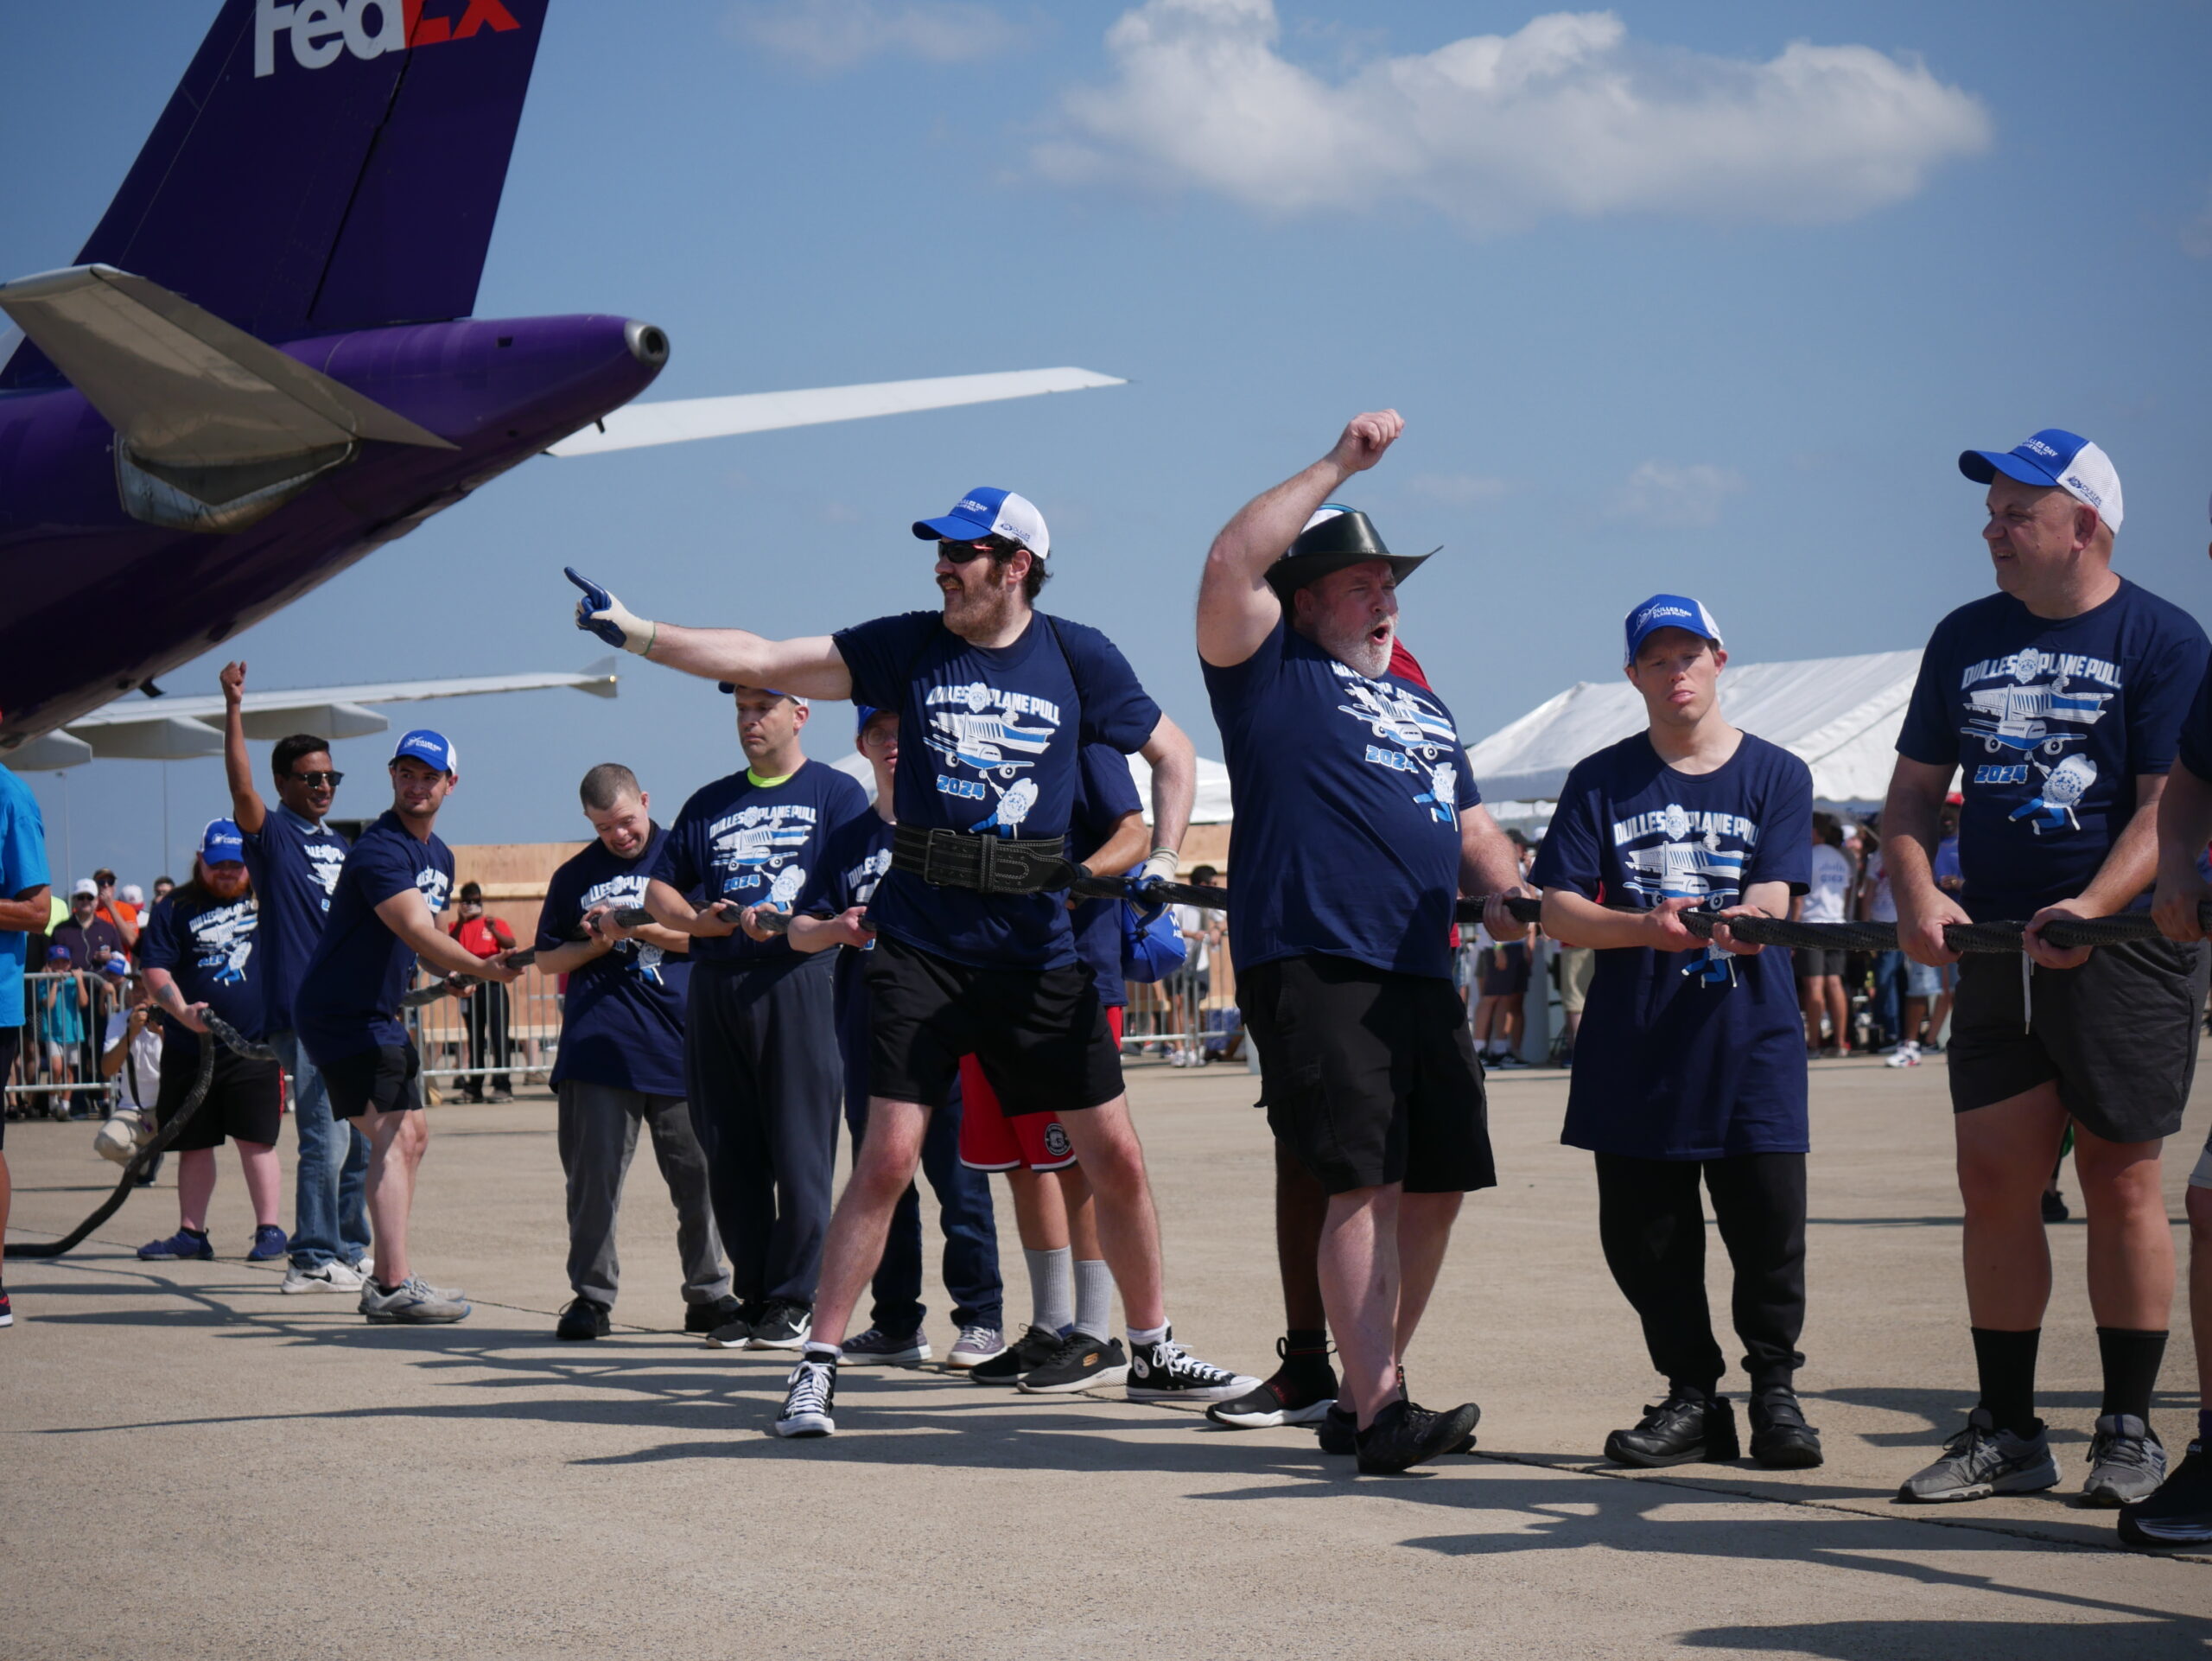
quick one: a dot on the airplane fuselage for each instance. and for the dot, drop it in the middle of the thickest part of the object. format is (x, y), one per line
(100, 602)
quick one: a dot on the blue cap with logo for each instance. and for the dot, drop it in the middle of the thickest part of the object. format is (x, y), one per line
(862, 714)
(1668, 611)
(726, 687)
(221, 842)
(2054, 456)
(433, 747)
(990, 512)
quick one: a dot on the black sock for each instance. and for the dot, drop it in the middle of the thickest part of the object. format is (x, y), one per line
(2131, 1363)
(1304, 1348)
(2007, 1362)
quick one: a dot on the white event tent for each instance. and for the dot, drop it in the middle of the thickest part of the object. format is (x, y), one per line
(1839, 714)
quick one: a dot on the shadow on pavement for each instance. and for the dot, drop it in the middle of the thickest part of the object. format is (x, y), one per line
(2015, 1640)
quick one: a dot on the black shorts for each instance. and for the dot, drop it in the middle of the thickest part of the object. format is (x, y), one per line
(11, 1041)
(381, 1080)
(1039, 1034)
(2118, 1035)
(1811, 962)
(1503, 981)
(1370, 1077)
(245, 1099)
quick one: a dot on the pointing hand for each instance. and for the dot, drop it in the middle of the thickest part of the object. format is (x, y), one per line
(602, 614)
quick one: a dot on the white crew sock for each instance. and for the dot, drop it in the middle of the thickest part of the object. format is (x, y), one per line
(1052, 1303)
(1148, 1334)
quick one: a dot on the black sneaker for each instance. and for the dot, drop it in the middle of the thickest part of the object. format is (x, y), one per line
(584, 1317)
(1082, 1362)
(1680, 1430)
(736, 1331)
(1031, 1350)
(1781, 1439)
(1165, 1371)
(706, 1318)
(810, 1397)
(2054, 1207)
(1403, 1436)
(1340, 1430)
(1300, 1392)
(2178, 1514)
(781, 1325)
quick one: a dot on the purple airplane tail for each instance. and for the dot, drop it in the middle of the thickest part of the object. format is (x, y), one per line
(325, 167)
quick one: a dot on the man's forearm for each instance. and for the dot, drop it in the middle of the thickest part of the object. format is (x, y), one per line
(26, 913)
(1270, 522)
(2133, 863)
(569, 956)
(1909, 824)
(1174, 791)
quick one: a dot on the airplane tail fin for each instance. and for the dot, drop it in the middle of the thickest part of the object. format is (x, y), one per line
(324, 167)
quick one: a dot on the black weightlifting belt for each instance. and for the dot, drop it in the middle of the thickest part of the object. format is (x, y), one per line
(955, 859)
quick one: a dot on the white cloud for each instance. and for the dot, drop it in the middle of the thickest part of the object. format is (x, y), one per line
(1567, 115)
(1661, 494)
(830, 34)
(1458, 489)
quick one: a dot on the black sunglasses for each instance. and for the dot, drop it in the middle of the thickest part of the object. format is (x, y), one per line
(960, 553)
(316, 780)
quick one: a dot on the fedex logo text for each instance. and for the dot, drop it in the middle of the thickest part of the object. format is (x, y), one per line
(320, 30)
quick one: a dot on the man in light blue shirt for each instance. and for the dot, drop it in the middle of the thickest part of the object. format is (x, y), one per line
(23, 902)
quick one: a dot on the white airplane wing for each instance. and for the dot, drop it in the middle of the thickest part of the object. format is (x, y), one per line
(179, 729)
(674, 421)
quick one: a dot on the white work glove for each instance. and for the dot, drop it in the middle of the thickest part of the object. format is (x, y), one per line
(1160, 863)
(602, 614)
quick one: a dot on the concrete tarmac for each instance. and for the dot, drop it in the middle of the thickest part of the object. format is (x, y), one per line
(194, 1465)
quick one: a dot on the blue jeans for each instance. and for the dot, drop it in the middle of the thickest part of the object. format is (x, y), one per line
(330, 1209)
(971, 1238)
(1888, 982)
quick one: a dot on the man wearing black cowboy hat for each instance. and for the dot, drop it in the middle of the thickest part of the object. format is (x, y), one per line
(1356, 828)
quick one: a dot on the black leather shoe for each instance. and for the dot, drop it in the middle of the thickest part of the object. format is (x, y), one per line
(1680, 1430)
(1340, 1430)
(584, 1317)
(711, 1317)
(1781, 1439)
(1403, 1436)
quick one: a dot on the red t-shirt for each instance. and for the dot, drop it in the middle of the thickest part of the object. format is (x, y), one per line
(483, 937)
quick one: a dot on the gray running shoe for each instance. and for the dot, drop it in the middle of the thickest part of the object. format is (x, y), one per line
(879, 1348)
(2127, 1461)
(975, 1345)
(1981, 1461)
(412, 1302)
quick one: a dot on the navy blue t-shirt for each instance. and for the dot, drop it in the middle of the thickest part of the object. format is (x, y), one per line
(295, 866)
(1677, 1059)
(853, 860)
(348, 1000)
(991, 739)
(1348, 792)
(212, 948)
(2052, 720)
(757, 845)
(1105, 794)
(622, 1015)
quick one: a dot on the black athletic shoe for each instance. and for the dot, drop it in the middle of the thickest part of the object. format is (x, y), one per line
(1300, 1392)
(1338, 1433)
(1781, 1439)
(1082, 1362)
(1165, 1371)
(584, 1317)
(2180, 1512)
(1031, 1350)
(1680, 1430)
(713, 1317)
(1403, 1436)
(2054, 1207)
(781, 1325)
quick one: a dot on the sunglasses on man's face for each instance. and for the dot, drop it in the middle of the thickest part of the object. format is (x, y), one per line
(316, 780)
(960, 553)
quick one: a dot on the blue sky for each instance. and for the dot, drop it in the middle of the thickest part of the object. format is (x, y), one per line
(1668, 303)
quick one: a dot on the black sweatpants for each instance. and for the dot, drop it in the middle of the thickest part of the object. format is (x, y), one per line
(1651, 1220)
(760, 1065)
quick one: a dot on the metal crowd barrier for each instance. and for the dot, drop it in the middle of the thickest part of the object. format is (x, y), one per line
(500, 1036)
(57, 1069)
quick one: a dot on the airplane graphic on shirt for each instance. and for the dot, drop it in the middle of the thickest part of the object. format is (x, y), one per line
(623, 893)
(1690, 860)
(2035, 701)
(1408, 734)
(753, 849)
(222, 940)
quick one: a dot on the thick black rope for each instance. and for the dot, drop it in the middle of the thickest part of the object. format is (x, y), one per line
(143, 1161)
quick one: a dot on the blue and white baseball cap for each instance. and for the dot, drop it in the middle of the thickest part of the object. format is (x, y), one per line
(864, 713)
(990, 512)
(730, 687)
(222, 842)
(1668, 611)
(2055, 457)
(434, 747)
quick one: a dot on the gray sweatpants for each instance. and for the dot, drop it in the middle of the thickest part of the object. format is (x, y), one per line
(598, 1133)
